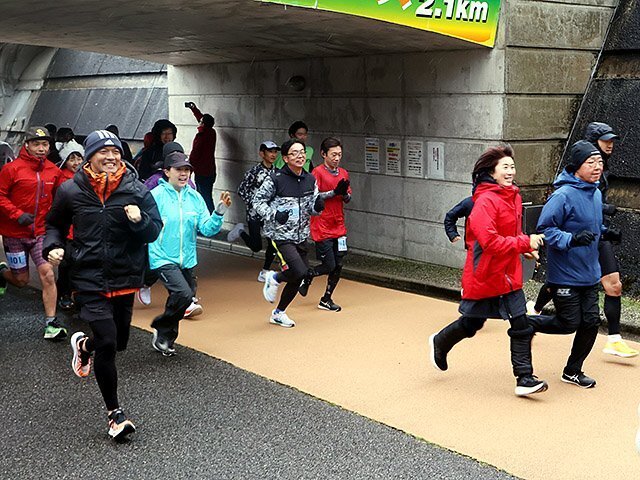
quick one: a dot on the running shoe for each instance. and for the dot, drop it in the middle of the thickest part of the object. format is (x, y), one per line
(193, 310)
(81, 361)
(262, 275)
(119, 426)
(162, 345)
(438, 358)
(234, 233)
(54, 331)
(528, 384)
(329, 305)
(66, 303)
(144, 295)
(3, 281)
(531, 308)
(282, 319)
(303, 289)
(270, 288)
(579, 379)
(620, 349)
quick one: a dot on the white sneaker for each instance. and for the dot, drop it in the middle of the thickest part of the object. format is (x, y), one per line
(531, 308)
(262, 276)
(144, 295)
(270, 288)
(234, 233)
(282, 319)
(193, 310)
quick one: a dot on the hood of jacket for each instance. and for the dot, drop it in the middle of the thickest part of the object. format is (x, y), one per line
(566, 178)
(161, 125)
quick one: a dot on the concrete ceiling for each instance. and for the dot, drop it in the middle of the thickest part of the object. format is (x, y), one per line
(183, 32)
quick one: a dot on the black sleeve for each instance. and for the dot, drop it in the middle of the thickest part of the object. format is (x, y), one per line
(147, 229)
(462, 209)
(58, 221)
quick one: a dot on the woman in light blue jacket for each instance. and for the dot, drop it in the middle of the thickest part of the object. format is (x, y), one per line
(173, 255)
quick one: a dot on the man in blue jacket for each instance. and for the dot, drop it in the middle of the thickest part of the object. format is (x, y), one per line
(571, 221)
(173, 255)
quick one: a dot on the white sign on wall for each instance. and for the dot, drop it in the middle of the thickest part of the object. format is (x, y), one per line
(394, 157)
(435, 158)
(372, 155)
(415, 159)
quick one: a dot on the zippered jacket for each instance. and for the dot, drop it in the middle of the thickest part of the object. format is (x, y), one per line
(251, 181)
(283, 190)
(27, 185)
(184, 215)
(494, 241)
(574, 206)
(108, 251)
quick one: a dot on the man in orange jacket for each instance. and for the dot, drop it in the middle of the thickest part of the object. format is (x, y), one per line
(27, 187)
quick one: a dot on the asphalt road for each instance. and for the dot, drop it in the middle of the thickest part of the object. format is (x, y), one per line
(197, 417)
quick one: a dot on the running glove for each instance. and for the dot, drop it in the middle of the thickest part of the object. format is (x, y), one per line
(342, 188)
(26, 219)
(282, 216)
(318, 206)
(582, 239)
(612, 235)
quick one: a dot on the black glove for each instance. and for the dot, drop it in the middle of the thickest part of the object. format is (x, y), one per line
(609, 209)
(282, 216)
(582, 239)
(612, 235)
(342, 187)
(26, 219)
(318, 206)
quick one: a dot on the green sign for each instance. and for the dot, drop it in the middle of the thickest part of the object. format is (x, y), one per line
(472, 20)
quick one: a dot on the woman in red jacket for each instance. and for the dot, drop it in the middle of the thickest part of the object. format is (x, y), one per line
(492, 275)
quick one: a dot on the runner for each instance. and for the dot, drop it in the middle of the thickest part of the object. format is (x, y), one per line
(247, 190)
(299, 131)
(285, 201)
(492, 275)
(27, 188)
(173, 256)
(460, 210)
(113, 216)
(72, 155)
(602, 136)
(571, 221)
(328, 230)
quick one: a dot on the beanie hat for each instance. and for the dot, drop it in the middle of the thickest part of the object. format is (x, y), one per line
(99, 139)
(171, 147)
(68, 148)
(580, 151)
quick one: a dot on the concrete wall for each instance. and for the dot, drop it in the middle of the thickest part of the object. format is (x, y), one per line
(525, 91)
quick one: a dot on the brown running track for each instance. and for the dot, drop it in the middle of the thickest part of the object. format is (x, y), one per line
(372, 358)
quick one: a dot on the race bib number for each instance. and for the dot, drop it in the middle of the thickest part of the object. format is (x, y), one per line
(294, 213)
(17, 260)
(342, 244)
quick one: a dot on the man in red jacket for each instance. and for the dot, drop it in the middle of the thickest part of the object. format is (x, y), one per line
(328, 229)
(27, 187)
(203, 154)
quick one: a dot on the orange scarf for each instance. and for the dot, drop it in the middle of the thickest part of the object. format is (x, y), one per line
(104, 184)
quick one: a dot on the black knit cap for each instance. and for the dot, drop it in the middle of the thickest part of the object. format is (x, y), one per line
(580, 152)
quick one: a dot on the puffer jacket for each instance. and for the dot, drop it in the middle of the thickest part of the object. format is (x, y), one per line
(252, 180)
(494, 242)
(108, 251)
(27, 185)
(184, 214)
(283, 191)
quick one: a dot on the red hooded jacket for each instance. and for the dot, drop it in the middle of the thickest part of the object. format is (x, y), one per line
(27, 185)
(203, 150)
(495, 242)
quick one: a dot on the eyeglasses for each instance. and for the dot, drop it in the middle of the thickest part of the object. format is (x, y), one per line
(296, 153)
(593, 163)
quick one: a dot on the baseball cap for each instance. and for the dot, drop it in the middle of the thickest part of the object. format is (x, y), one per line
(269, 145)
(37, 133)
(177, 160)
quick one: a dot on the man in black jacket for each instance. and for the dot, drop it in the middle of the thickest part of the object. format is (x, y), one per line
(113, 217)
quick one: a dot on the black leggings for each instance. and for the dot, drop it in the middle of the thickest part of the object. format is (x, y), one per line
(110, 321)
(295, 265)
(253, 240)
(332, 260)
